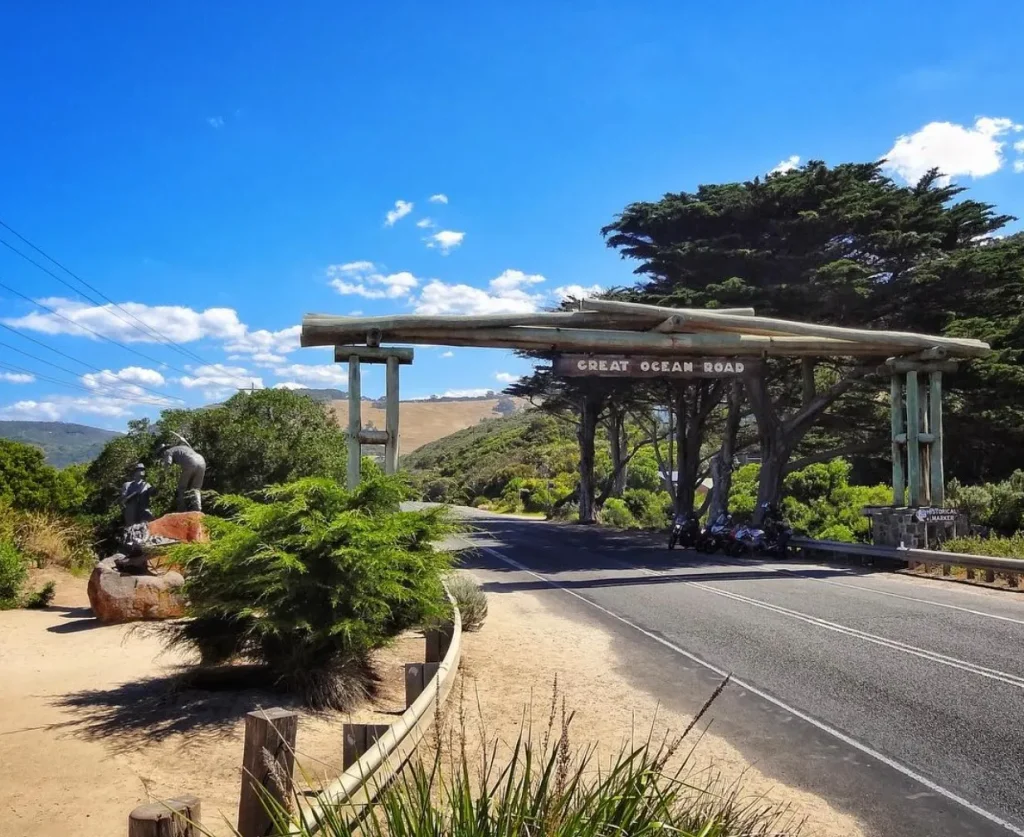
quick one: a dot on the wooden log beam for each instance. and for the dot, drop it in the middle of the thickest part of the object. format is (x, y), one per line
(768, 325)
(899, 366)
(611, 342)
(379, 354)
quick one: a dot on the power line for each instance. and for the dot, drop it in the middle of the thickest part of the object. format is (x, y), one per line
(90, 330)
(72, 372)
(144, 325)
(113, 394)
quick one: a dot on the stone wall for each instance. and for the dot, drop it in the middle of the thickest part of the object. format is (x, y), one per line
(895, 526)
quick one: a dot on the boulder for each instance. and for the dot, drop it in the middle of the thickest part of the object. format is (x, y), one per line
(180, 526)
(118, 596)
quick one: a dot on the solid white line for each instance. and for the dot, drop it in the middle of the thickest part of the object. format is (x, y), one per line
(896, 645)
(864, 748)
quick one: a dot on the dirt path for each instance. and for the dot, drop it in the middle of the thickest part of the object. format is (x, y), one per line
(89, 728)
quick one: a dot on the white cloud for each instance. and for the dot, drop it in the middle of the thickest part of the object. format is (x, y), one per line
(454, 393)
(505, 296)
(1018, 166)
(290, 385)
(506, 377)
(445, 240)
(217, 379)
(128, 383)
(323, 375)
(786, 165)
(362, 279)
(16, 378)
(439, 198)
(954, 149)
(60, 407)
(1019, 146)
(425, 223)
(180, 324)
(268, 359)
(447, 354)
(511, 280)
(216, 122)
(263, 341)
(565, 292)
(402, 208)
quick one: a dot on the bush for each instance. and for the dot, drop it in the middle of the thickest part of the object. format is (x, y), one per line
(650, 508)
(567, 511)
(38, 599)
(13, 572)
(307, 579)
(471, 600)
(616, 513)
(480, 503)
(996, 547)
(47, 540)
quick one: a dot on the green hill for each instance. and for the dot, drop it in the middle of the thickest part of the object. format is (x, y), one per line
(481, 461)
(64, 444)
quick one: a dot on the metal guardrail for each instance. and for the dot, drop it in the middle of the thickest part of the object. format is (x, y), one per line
(913, 557)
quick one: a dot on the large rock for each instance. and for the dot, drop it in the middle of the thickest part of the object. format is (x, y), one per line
(181, 526)
(117, 596)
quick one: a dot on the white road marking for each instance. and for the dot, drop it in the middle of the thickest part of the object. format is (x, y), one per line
(846, 739)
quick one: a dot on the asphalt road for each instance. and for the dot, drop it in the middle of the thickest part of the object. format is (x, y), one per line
(901, 701)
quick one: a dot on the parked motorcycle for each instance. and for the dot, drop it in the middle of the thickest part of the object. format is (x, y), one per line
(713, 537)
(771, 537)
(776, 532)
(685, 530)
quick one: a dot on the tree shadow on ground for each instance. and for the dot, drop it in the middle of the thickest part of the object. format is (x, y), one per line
(196, 702)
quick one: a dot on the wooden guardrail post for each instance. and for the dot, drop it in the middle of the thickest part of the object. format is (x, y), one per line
(1012, 579)
(357, 739)
(439, 640)
(178, 817)
(990, 576)
(417, 675)
(267, 763)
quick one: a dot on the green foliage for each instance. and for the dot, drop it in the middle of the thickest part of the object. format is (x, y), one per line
(643, 471)
(308, 578)
(651, 509)
(616, 513)
(484, 460)
(252, 440)
(41, 598)
(554, 789)
(13, 572)
(471, 601)
(818, 500)
(26, 481)
(996, 547)
(999, 505)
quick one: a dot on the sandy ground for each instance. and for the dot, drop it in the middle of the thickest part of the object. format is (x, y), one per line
(89, 727)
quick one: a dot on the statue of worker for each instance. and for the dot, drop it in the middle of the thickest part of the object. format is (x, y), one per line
(193, 469)
(135, 496)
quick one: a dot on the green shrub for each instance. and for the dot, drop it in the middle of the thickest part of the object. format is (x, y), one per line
(650, 508)
(480, 502)
(13, 572)
(616, 513)
(308, 579)
(38, 599)
(996, 547)
(567, 511)
(644, 473)
(471, 600)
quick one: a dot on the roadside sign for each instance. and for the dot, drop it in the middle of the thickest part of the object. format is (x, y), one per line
(648, 366)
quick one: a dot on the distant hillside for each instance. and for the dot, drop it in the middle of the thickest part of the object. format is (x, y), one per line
(421, 422)
(64, 444)
(480, 460)
(326, 395)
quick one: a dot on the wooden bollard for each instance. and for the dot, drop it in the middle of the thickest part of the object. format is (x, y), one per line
(990, 576)
(417, 675)
(357, 739)
(267, 763)
(969, 573)
(945, 569)
(178, 817)
(439, 640)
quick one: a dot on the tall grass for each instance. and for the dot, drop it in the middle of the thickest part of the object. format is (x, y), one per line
(48, 540)
(556, 789)
(471, 601)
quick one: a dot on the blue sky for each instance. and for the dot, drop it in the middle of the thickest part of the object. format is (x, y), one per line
(219, 170)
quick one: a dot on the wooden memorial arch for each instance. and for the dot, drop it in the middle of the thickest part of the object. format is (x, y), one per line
(624, 339)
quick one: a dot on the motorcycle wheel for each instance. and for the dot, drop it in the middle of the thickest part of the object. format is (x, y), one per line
(671, 540)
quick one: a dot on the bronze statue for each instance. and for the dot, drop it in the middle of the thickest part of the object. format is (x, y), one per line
(135, 496)
(193, 469)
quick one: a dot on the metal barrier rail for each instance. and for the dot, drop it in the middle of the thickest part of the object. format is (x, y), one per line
(913, 557)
